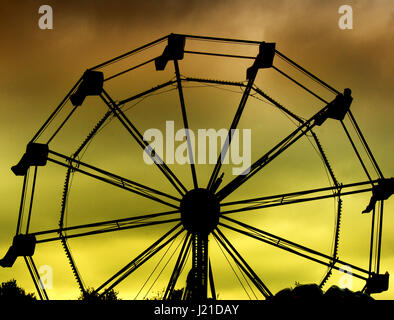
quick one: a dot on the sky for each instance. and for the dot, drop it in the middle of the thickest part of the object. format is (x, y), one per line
(40, 66)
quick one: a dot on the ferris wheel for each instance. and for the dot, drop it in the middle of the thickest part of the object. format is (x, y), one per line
(207, 211)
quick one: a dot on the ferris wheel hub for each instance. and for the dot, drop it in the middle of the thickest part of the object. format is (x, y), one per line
(200, 210)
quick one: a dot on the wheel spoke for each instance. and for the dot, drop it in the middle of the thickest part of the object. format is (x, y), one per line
(226, 244)
(301, 121)
(233, 126)
(112, 178)
(107, 226)
(109, 113)
(289, 246)
(270, 155)
(294, 197)
(129, 126)
(185, 124)
(178, 267)
(140, 260)
(235, 273)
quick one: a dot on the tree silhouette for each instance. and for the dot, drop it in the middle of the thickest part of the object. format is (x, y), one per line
(91, 296)
(312, 292)
(9, 290)
(176, 295)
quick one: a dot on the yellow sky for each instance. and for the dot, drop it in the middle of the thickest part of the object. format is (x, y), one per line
(38, 67)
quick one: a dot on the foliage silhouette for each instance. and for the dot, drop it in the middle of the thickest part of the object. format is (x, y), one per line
(312, 292)
(92, 296)
(9, 290)
(176, 295)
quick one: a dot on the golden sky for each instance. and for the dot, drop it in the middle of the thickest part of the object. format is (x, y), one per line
(38, 67)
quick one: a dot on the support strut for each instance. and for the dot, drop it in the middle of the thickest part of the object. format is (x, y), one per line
(197, 280)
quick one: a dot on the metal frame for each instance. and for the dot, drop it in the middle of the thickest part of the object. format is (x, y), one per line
(201, 273)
